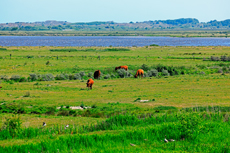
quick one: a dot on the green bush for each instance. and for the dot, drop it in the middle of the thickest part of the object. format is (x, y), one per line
(63, 50)
(47, 77)
(117, 49)
(29, 56)
(38, 110)
(189, 125)
(165, 73)
(94, 106)
(82, 74)
(62, 77)
(152, 72)
(77, 76)
(51, 111)
(71, 77)
(3, 49)
(213, 58)
(15, 78)
(123, 73)
(12, 125)
(22, 79)
(33, 77)
(10, 108)
(4, 77)
(90, 74)
(153, 45)
(71, 50)
(113, 76)
(71, 112)
(145, 67)
(225, 58)
(220, 71)
(107, 76)
(63, 113)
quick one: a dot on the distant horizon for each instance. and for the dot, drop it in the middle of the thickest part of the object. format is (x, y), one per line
(109, 21)
(115, 21)
(118, 11)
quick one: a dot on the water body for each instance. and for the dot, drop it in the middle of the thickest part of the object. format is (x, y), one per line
(109, 40)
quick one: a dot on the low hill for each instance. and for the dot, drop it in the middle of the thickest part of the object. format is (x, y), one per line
(177, 24)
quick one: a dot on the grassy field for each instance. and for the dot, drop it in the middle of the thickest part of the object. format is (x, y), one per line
(187, 93)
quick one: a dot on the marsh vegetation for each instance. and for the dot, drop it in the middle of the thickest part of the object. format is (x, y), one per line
(186, 91)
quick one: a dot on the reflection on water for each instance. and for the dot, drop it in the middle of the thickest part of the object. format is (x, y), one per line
(109, 40)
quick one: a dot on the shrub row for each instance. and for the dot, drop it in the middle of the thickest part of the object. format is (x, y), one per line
(150, 71)
(94, 111)
(71, 50)
(89, 49)
(165, 70)
(32, 77)
(216, 58)
(19, 109)
(3, 49)
(116, 49)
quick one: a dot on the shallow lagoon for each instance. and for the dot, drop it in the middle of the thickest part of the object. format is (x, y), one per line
(109, 41)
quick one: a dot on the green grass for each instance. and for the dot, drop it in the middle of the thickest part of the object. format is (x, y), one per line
(191, 104)
(118, 132)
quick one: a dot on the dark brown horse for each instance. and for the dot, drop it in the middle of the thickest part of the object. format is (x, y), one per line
(97, 74)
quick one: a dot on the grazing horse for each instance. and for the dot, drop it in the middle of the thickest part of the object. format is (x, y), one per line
(121, 67)
(97, 74)
(139, 73)
(90, 83)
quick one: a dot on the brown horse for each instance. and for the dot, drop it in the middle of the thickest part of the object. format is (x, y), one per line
(97, 74)
(122, 67)
(90, 83)
(139, 73)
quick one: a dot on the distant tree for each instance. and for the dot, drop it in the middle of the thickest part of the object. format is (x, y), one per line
(68, 27)
(5, 29)
(28, 28)
(55, 27)
(14, 29)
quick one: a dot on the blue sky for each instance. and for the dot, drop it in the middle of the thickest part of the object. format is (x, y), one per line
(116, 10)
